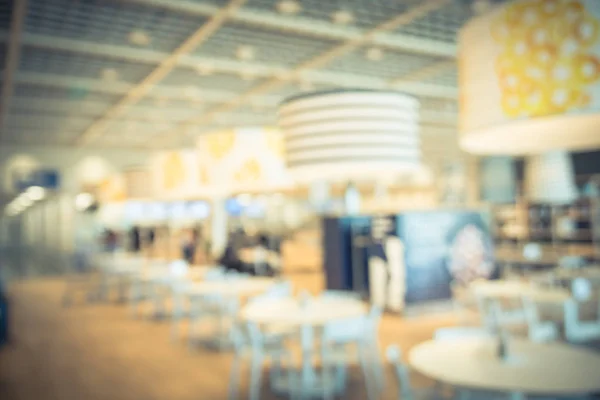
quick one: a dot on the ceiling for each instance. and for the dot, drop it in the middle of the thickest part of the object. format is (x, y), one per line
(156, 73)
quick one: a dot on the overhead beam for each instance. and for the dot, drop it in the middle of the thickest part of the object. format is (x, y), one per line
(140, 90)
(12, 58)
(322, 59)
(228, 66)
(121, 88)
(425, 73)
(309, 27)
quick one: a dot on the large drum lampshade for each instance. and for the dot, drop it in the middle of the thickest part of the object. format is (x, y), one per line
(529, 77)
(350, 134)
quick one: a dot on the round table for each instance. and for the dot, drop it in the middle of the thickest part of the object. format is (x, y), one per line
(591, 273)
(306, 314)
(531, 368)
(242, 287)
(513, 289)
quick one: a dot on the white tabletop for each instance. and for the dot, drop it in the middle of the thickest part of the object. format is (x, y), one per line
(315, 312)
(591, 273)
(235, 287)
(164, 275)
(515, 289)
(545, 369)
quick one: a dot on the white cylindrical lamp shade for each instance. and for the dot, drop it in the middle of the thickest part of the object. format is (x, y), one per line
(350, 134)
(549, 178)
(529, 78)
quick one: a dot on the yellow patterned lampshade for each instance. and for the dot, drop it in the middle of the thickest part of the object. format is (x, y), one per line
(529, 78)
(176, 175)
(242, 159)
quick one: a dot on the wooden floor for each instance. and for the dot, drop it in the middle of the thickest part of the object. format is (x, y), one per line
(97, 351)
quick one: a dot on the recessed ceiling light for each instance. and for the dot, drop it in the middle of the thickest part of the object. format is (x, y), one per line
(110, 74)
(205, 69)
(374, 54)
(245, 53)
(289, 7)
(342, 17)
(139, 38)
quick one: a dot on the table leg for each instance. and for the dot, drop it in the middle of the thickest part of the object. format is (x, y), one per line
(306, 336)
(517, 396)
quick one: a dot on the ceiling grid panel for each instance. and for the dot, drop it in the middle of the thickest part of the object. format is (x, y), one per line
(199, 36)
(11, 59)
(318, 61)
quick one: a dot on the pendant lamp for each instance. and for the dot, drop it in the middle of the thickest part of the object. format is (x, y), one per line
(549, 178)
(529, 78)
(348, 135)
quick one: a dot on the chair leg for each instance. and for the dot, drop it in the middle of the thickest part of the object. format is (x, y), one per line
(234, 378)
(328, 392)
(134, 296)
(255, 375)
(371, 392)
(192, 327)
(176, 315)
(378, 369)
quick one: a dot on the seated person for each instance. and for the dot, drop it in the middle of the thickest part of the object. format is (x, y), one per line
(230, 260)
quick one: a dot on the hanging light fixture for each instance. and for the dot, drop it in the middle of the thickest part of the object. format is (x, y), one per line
(529, 74)
(549, 178)
(350, 134)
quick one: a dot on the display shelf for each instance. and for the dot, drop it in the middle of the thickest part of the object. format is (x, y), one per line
(557, 227)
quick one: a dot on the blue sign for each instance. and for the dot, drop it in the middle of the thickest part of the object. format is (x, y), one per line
(46, 178)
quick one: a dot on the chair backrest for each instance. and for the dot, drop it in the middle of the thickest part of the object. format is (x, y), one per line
(214, 274)
(531, 310)
(354, 329)
(336, 294)
(532, 251)
(278, 291)
(571, 262)
(394, 356)
(581, 289)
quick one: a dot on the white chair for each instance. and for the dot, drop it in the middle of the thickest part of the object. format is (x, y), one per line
(464, 304)
(577, 330)
(250, 343)
(162, 287)
(278, 291)
(538, 330)
(140, 289)
(261, 343)
(571, 262)
(212, 310)
(362, 334)
(509, 313)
